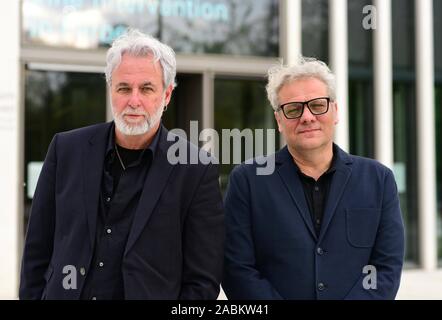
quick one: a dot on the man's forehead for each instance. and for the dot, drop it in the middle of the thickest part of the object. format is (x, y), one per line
(304, 88)
(138, 62)
(307, 81)
(139, 69)
(140, 83)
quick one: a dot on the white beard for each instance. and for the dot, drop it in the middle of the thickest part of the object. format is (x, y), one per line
(130, 129)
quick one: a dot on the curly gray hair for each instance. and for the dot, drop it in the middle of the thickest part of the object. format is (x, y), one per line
(306, 67)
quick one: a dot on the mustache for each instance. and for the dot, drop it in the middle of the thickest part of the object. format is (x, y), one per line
(134, 112)
(307, 129)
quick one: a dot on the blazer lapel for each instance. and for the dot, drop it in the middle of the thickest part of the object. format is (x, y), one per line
(337, 187)
(154, 185)
(93, 158)
(287, 172)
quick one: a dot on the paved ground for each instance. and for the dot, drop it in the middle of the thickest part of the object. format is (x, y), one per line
(415, 285)
(420, 285)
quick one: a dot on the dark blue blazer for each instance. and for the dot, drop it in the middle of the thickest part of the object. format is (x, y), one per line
(272, 251)
(175, 246)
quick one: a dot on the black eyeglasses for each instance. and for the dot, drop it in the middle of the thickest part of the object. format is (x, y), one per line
(294, 110)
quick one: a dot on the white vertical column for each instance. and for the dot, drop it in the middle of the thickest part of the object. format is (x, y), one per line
(11, 217)
(290, 30)
(208, 100)
(208, 113)
(290, 34)
(339, 64)
(383, 83)
(426, 134)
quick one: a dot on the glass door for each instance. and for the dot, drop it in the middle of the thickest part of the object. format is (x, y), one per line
(56, 101)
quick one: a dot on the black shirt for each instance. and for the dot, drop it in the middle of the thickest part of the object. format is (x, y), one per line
(316, 192)
(120, 193)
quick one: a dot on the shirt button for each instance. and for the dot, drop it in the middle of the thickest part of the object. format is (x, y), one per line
(108, 199)
(82, 271)
(316, 188)
(109, 231)
(320, 251)
(101, 264)
(321, 286)
(318, 221)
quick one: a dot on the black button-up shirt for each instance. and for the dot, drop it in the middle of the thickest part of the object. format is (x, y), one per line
(120, 193)
(316, 192)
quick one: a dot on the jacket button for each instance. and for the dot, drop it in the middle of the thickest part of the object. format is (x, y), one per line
(320, 251)
(82, 271)
(321, 286)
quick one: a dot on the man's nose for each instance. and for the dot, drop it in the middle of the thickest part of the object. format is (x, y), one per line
(134, 100)
(307, 116)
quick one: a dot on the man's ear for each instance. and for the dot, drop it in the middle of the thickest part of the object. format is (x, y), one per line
(168, 94)
(336, 114)
(278, 120)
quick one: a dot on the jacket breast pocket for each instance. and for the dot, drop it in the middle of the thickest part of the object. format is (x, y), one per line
(362, 226)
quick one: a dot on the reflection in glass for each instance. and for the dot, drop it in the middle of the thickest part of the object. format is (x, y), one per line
(186, 104)
(404, 116)
(361, 117)
(361, 108)
(241, 104)
(438, 114)
(437, 21)
(56, 102)
(315, 29)
(403, 34)
(238, 27)
(359, 39)
(437, 11)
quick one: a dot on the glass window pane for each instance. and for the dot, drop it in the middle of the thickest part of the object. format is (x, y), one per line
(361, 109)
(241, 104)
(243, 27)
(361, 117)
(359, 39)
(403, 34)
(315, 29)
(56, 102)
(438, 115)
(404, 117)
(437, 11)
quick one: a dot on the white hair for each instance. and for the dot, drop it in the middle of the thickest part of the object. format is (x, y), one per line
(138, 44)
(306, 67)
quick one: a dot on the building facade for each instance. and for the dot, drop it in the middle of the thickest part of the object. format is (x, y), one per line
(386, 54)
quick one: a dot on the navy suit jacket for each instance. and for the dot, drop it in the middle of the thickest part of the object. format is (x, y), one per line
(175, 245)
(272, 251)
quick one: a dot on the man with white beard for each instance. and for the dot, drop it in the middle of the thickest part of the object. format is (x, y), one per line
(111, 217)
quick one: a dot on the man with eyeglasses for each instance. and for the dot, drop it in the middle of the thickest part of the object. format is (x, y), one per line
(325, 224)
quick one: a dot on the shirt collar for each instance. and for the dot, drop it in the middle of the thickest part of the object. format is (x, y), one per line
(111, 141)
(336, 160)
